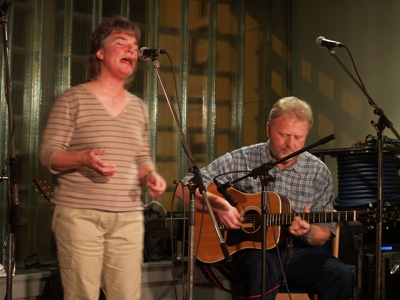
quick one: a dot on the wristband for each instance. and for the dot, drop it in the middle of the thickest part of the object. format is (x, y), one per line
(308, 236)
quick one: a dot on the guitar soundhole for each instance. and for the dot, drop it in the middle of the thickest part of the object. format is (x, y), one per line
(251, 220)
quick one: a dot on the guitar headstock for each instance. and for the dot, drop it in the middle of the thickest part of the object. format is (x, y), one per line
(390, 215)
(43, 188)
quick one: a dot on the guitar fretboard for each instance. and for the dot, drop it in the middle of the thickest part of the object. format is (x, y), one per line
(281, 219)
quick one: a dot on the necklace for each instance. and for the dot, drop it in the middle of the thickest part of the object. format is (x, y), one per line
(108, 93)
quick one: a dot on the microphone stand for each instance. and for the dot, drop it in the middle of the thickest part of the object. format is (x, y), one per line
(13, 217)
(195, 183)
(265, 178)
(382, 123)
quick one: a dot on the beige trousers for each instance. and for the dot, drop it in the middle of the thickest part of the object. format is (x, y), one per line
(95, 246)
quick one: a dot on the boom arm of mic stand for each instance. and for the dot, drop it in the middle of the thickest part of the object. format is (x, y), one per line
(202, 189)
(377, 110)
(380, 126)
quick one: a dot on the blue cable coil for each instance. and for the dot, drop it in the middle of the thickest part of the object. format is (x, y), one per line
(358, 180)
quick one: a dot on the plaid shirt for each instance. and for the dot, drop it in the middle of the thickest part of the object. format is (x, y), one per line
(306, 182)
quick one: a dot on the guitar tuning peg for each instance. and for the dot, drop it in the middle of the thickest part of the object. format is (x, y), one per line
(394, 269)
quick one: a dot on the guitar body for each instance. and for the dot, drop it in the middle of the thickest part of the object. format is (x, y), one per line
(206, 242)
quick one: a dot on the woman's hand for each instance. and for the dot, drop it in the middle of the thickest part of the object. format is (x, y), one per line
(155, 183)
(94, 162)
(66, 161)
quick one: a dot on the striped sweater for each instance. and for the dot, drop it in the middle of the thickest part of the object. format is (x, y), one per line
(78, 122)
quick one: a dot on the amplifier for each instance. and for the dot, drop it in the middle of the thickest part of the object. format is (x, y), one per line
(165, 237)
(390, 274)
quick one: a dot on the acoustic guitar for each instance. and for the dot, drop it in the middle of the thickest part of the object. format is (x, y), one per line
(206, 242)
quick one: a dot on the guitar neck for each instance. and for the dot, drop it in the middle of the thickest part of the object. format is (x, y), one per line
(278, 219)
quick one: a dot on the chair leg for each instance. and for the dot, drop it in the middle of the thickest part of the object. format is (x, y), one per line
(313, 296)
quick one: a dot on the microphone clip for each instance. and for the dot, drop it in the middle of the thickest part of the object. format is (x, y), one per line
(222, 189)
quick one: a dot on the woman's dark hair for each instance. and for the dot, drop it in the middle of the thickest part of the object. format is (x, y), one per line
(99, 38)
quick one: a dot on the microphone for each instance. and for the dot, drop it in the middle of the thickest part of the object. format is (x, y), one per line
(222, 190)
(4, 7)
(322, 42)
(146, 53)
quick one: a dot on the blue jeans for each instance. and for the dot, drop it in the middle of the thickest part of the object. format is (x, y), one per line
(314, 269)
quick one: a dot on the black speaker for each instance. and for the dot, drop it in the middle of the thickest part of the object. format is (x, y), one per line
(351, 242)
(351, 252)
(390, 275)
